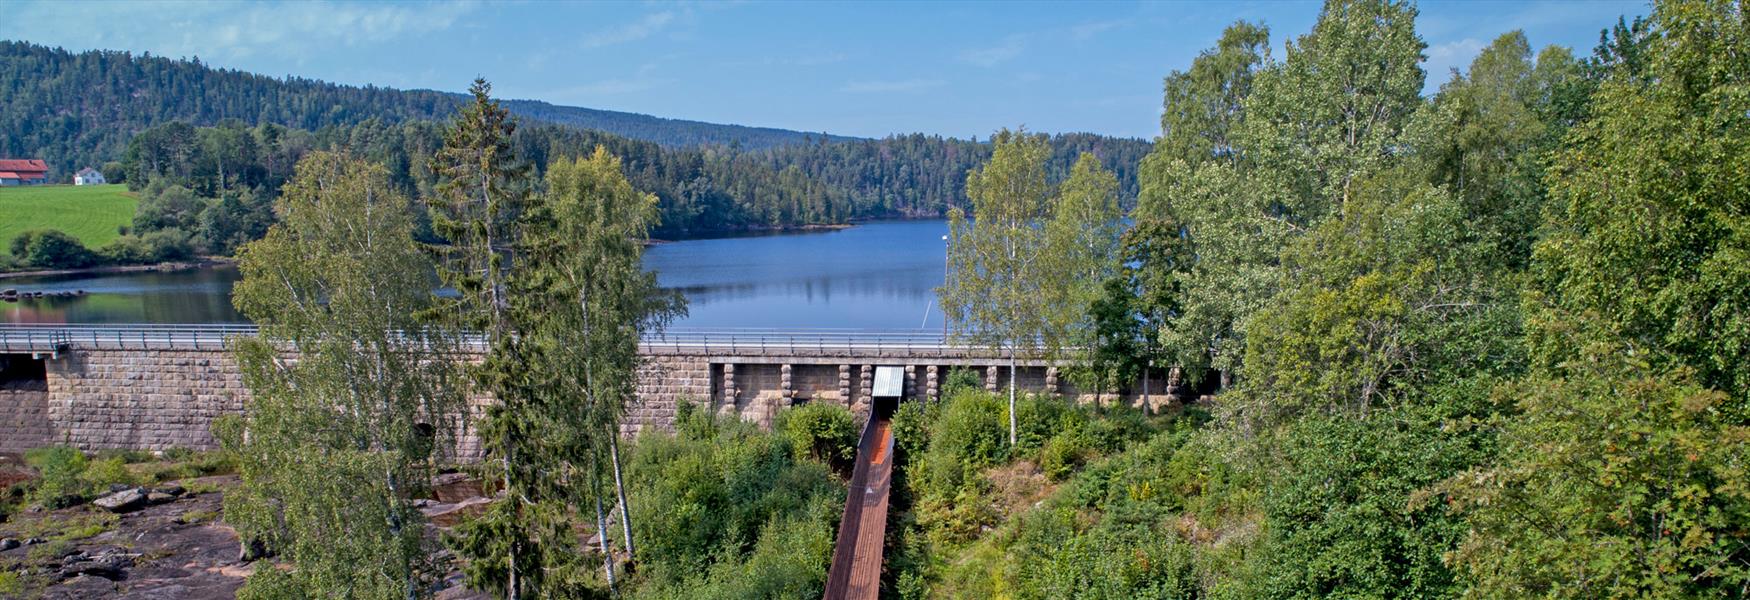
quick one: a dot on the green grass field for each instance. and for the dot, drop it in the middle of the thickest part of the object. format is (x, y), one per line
(90, 212)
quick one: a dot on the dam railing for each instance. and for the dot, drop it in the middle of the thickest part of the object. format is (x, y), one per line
(16, 337)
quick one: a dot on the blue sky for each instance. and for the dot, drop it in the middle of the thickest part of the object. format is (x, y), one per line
(960, 69)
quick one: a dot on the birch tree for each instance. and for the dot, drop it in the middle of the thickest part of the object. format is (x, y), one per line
(583, 280)
(1023, 269)
(347, 389)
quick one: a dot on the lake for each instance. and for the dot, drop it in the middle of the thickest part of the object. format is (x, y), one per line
(879, 275)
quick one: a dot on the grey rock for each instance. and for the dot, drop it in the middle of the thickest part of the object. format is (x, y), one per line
(9, 543)
(170, 488)
(156, 498)
(111, 569)
(122, 501)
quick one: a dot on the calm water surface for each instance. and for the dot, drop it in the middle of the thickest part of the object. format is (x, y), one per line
(877, 276)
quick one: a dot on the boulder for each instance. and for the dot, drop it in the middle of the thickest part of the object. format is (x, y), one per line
(170, 489)
(112, 567)
(122, 501)
(455, 487)
(450, 515)
(155, 498)
(9, 543)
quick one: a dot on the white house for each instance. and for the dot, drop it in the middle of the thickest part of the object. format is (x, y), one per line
(88, 176)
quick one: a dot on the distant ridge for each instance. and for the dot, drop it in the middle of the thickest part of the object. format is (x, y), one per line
(79, 109)
(665, 131)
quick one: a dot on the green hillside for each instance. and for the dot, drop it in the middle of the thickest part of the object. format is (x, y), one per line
(91, 213)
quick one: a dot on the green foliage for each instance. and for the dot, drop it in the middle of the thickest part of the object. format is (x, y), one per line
(1204, 105)
(1372, 296)
(1025, 267)
(823, 432)
(335, 441)
(50, 249)
(1647, 239)
(11, 582)
(67, 477)
(1615, 479)
(163, 245)
(725, 510)
(103, 472)
(1110, 531)
(1338, 504)
(60, 471)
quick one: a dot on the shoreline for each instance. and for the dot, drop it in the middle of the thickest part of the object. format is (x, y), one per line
(161, 267)
(753, 232)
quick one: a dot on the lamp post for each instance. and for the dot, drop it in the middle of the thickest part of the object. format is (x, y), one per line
(944, 286)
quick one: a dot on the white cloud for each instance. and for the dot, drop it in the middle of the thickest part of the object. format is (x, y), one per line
(611, 87)
(888, 87)
(225, 31)
(1088, 30)
(630, 32)
(1011, 47)
(644, 79)
(1443, 58)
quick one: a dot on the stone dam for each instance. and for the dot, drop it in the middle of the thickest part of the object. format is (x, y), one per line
(152, 388)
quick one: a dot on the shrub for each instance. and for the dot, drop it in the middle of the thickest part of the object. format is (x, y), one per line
(60, 471)
(1039, 418)
(973, 429)
(51, 249)
(164, 245)
(723, 509)
(823, 432)
(126, 456)
(113, 172)
(961, 379)
(100, 474)
(1064, 453)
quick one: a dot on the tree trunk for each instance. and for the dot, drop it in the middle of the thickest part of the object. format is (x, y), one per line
(1147, 406)
(601, 528)
(512, 587)
(1012, 421)
(620, 490)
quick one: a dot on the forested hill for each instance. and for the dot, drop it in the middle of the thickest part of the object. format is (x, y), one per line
(668, 132)
(78, 109)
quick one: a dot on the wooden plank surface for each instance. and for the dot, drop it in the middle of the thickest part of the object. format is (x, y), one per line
(857, 557)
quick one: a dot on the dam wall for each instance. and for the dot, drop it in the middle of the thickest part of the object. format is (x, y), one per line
(151, 392)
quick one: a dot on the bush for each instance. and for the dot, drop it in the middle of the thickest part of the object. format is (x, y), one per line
(961, 379)
(823, 432)
(973, 429)
(102, 473)
(51, 249)
(60, 471)
(1064, 453)
(723, 509)
(113, 172)
(164, 245)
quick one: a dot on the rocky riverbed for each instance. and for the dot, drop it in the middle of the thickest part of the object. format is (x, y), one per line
(166, 541)
(176, 548)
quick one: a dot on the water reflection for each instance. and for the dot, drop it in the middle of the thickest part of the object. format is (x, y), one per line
(876, 275)
(197, 296)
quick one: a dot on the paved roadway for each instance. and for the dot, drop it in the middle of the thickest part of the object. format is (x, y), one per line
(45, 337)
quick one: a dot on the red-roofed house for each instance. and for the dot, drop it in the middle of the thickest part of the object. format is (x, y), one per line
(23, 171)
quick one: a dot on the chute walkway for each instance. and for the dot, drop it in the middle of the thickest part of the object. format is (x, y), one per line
(856, 559)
